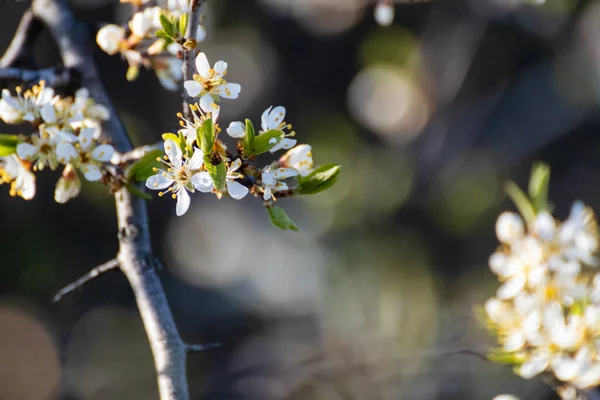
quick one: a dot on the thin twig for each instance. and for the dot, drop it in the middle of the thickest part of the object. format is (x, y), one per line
(197, 348)
(135, 252)
(189, 56)
(94, 273)
(135, 154)
(56, 77)
(21, 47)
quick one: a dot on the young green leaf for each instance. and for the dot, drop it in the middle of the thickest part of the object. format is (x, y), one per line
(248, 143)
(538, 186)
(183, 22)
(161, 33)
(8, 144)
(521, 201)
(172, 136)
(217, 173)
(167, 25)
(136, 191)
(265, 141)
(322, 178)
(144, 167)
(280, 219)
(206, 137)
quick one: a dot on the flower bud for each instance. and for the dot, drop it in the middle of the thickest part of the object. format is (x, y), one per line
(68, 186)
(509, 227)
(384, 13)
(109, 38)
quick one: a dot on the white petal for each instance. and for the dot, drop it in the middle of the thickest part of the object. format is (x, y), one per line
(47, 113)
(515, 341)
(26, 151)
(511, 287)
(565, 368)
(284, 143)
(103, 153)
(267, 178)
(197, 160)
(192, 88)
(91, 172)
(202, 65)
(220, 67)
(45, 96)
(207, 104)
(66, 189)
(283, 173)
(200, 34)
(236, 130)
(384, 13)
(276, 117)
(544, 226)
(173, 151)
(535, 365)
(234, 166)
(589, 377)
(236, 189)
(509, 227)
(183, 202)
(202, 182)
(65, 152)
(86, 136)
(158, 182)
(25, 184)
(497, 310)
(265, 119)
(228, 90)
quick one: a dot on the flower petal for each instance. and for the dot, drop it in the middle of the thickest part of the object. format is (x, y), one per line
(173, 151)
(535, 365)
(228, 90)
(26, 151)
(207, 104)
(202, 182)
(220, 68)
(103, 153)
(86, 136)
(276, 117)
(236, 130)
(183, 202)
(158, 182)
(47, 113)
(509, 227)
(264, 119)
(236, 190)
(202, 65)
(283, 173)
(511, 287)
(192, 88)
(197, 160)
(65, 152)
(91, 172)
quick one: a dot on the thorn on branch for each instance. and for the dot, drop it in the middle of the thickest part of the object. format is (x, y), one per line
(197, 348)
(99, 270)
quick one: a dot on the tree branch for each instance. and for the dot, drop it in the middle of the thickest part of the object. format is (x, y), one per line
(21, 46)
(135, 254)
(97, 271)
(55, 77)
(189, 56)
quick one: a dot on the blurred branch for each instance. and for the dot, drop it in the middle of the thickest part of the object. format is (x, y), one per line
(99, 270)
(135, 154)
(135, 256)
(21, 47)
(54, 77)
(196, 348)
(189, 56)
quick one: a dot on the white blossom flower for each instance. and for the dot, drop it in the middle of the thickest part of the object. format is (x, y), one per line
(17, 173)
(384, 13)
(236, 129)
(298, 158)
(84, 108)
(274, 118)
(272, 181)
(181, 176)
(197, 119)
(86, 154)
(26, 106)
(109, 38)
(235, 189)
(145, 22)
(68, 186)
(42, 149)
(210, 82)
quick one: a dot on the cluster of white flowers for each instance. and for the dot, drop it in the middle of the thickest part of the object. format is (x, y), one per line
(186, 168)
(142, 48)
(67, 133)
(546, 312)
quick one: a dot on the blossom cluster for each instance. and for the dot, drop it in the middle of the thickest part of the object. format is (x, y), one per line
(197, 158)
(139, 46)
(546, 312)
(67, 133)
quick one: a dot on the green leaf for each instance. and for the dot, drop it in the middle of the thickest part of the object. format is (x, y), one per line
(136, 191)
(501, 357)
(538, 186)
(248, 143)
(8, 144)
(161, 33)
(217, 173)
(322, 178)
(206, 137)
(521, 201)
(168, 26)
(262, 142)
(183, 23)
(144, 167)
(280, 219)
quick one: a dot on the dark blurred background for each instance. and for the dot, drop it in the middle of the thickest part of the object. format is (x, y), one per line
(374, 297)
